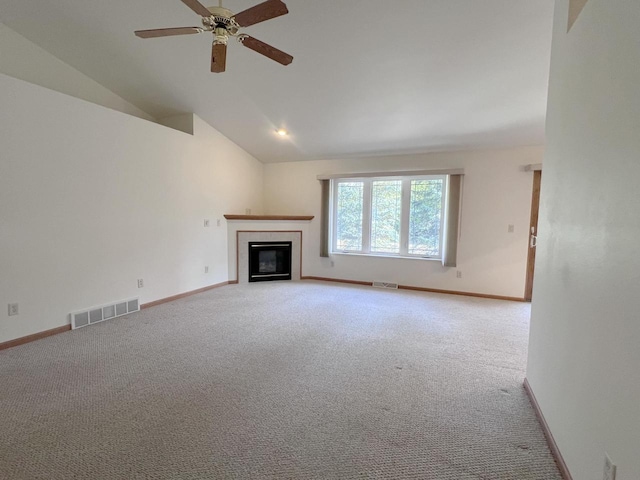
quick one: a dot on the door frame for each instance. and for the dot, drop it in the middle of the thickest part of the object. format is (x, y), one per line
(533, 233)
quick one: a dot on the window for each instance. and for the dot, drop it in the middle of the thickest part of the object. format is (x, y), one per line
(349, 206)
(400, 216)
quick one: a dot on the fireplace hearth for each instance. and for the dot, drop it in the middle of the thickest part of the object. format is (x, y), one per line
(269, 261)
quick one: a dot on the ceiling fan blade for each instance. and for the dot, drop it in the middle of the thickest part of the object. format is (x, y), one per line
(167, 32)
(219, 58)
(261, 12)
(197, 7)
(267, 50)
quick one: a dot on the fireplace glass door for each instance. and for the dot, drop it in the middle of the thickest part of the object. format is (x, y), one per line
(269, 261)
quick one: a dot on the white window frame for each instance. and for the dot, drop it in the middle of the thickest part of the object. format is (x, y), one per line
(404, 212)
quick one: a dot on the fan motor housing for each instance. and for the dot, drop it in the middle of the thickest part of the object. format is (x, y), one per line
(221, 18)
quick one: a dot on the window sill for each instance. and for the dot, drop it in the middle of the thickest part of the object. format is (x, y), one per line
(382, 255)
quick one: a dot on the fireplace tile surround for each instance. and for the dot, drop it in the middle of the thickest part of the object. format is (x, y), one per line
(245, 237)
(243, 229)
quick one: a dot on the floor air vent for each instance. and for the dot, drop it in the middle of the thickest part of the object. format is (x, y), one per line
(393, 286)
(93, 315)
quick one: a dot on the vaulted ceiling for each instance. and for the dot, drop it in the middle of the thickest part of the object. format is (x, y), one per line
(369, 76)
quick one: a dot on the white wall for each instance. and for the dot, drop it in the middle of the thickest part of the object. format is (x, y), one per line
(23, 59)
(92, 199)
(584, 353)
(496, 193)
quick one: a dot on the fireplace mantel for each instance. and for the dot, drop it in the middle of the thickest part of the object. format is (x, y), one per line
(280, 218)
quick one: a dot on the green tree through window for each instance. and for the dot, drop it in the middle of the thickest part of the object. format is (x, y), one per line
(389, 216)
(349, 216)
(425, 218)
(386, 204)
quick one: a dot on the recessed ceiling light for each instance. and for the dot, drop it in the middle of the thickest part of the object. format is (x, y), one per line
(282, 132)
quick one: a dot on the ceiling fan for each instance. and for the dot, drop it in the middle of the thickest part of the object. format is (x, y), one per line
(223, 23)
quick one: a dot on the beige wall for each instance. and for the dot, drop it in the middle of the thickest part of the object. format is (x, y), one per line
(92, 199)
(584, 353)
(496, 194)
(23, 59)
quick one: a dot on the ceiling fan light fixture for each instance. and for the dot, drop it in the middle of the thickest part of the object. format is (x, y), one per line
(223, 23)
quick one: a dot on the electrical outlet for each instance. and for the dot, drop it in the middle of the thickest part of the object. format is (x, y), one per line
(247, 211)
(609, 468)
(206, 269)
(333, 264)
(458, 274)
(511, 229)
(140, 283)
(207, 223)
(13, 309)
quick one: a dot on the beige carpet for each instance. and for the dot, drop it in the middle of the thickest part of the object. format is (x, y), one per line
(286, 380)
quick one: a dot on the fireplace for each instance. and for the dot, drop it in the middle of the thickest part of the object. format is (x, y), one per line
(242, 252)
(269, 261)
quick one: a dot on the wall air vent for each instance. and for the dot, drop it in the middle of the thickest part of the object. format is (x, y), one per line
(89, 316)
(393, 286)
